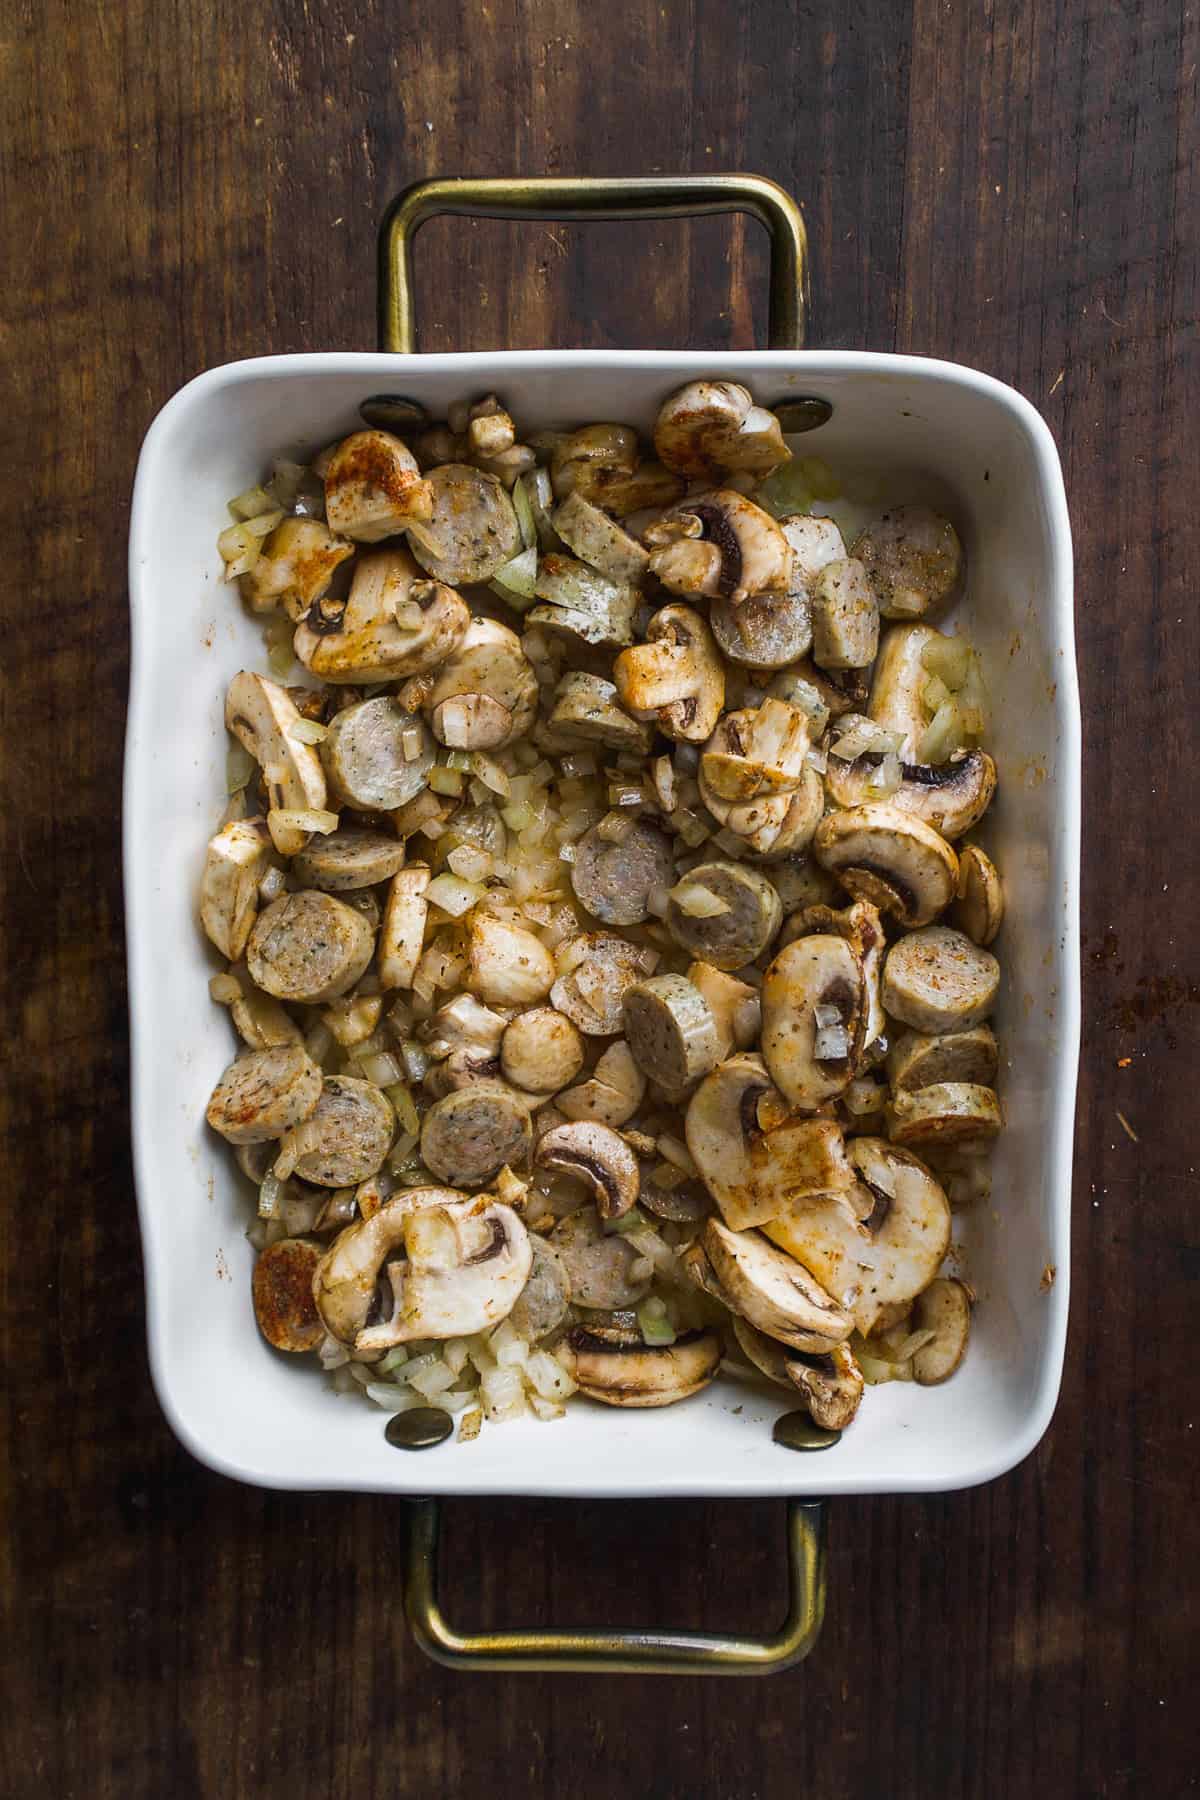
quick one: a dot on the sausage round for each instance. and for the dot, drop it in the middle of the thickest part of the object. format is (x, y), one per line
(614, 881)
(351, 1133)
(365, 754)
(470, 1134)
(349, 859)
(283, 1295)
(730, 939)
(264, 1093)
(308, 947)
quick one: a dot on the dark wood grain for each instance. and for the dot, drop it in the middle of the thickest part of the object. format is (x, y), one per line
(184, 183)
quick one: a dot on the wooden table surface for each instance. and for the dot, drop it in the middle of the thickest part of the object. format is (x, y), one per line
(184, 183)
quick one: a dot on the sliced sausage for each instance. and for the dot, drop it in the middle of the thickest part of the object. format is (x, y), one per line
(917, 1060)
(599, 1266)
(283, 1295)
(767, 631)
(614, 881)
(470, 1134)
(937, 980)
(308, 947)
(913, 559)
(671, 1030)
(377, 755)
(263, 1093)
(542, 1306)
(729, 939)
(348, 1136)
(541, 1051)
(473, 525)
(349, 859)
(845, 617)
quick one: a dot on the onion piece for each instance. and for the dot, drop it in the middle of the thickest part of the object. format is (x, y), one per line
(831, 1043)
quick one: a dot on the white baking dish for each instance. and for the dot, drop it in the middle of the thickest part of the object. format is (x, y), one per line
(274, 1421)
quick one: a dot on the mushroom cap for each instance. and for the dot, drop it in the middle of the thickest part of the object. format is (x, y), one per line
(810, 973)
(756, 557)
(344, 1281)
(945, 1309)
(234, 863)
(951, 796)
(676, 674)
(373, 487)
(708, 426)
(979, 908)
(773, 1290)
(753, 1158)
(597, 1156)
(488, 669)
(642, 1375)
(883, 854)
(889, 1254)
(361, 641)
(262, 716)
(468, 1262)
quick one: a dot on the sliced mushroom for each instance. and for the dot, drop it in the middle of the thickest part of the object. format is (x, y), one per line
(884, 1258)
(344, 1140)
(731, 938)
(686, 564)
(671, 1031)
(541, 1051)
(623, 1374)
(294, 567)
(814, 1002)
(862, 927)
(346, 1280)
(472, 529)
(917, 1060)
(577, 457)
(467, 1265)
(262, 717)
(349, 859)
(614, 881)
(263, 1093)
(945, 1309)
(845, 618)
(486, 692)
(235, 862)
(461, 1068)
(773, 824)
(599, 1265)
(506, 964)
(284, 1307)
(308, 947)
(597, 1156)
(913, 559)
(470, 1134)
(898, 685)
(951, 796)
(373, 487)
(599, 540)
(801, 882)
(542, 1305)
(758, 751)
(979, 908)
(832, 1383)
(613, 1092)
(773, 1290)
(591, 992)
(378, 756)
(938, 980)
(753, 556)
(462, 1023)
(623, 492)
(676, 676)
(402, 933)
(735, 1006)
(890, 858)
(951, 1115)
(754, 1160)
(587, 707)
(361, 639)
(582, 603)
(709, 426)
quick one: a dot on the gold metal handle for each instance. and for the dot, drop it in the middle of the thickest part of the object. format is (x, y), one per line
(586, 197)
(624, 1652)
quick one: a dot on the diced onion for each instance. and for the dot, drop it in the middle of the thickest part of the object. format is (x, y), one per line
(470, 863)
(239, 768)
(518, 576)
(678, 1153)
(416, 1062)
(224, 989)
(408, 615)
(309, 731)
(949, 658)
(444, 780)
(863, 1096)
(830, 1043)
(453, 895)
(695, 901)
(944, 734)
(282, 818)
(489, 771)
(655, 1329)
(270, 1194)
(383, 1070)
(252, 504)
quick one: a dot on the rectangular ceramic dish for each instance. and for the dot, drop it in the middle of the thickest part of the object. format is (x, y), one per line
(936, 429)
